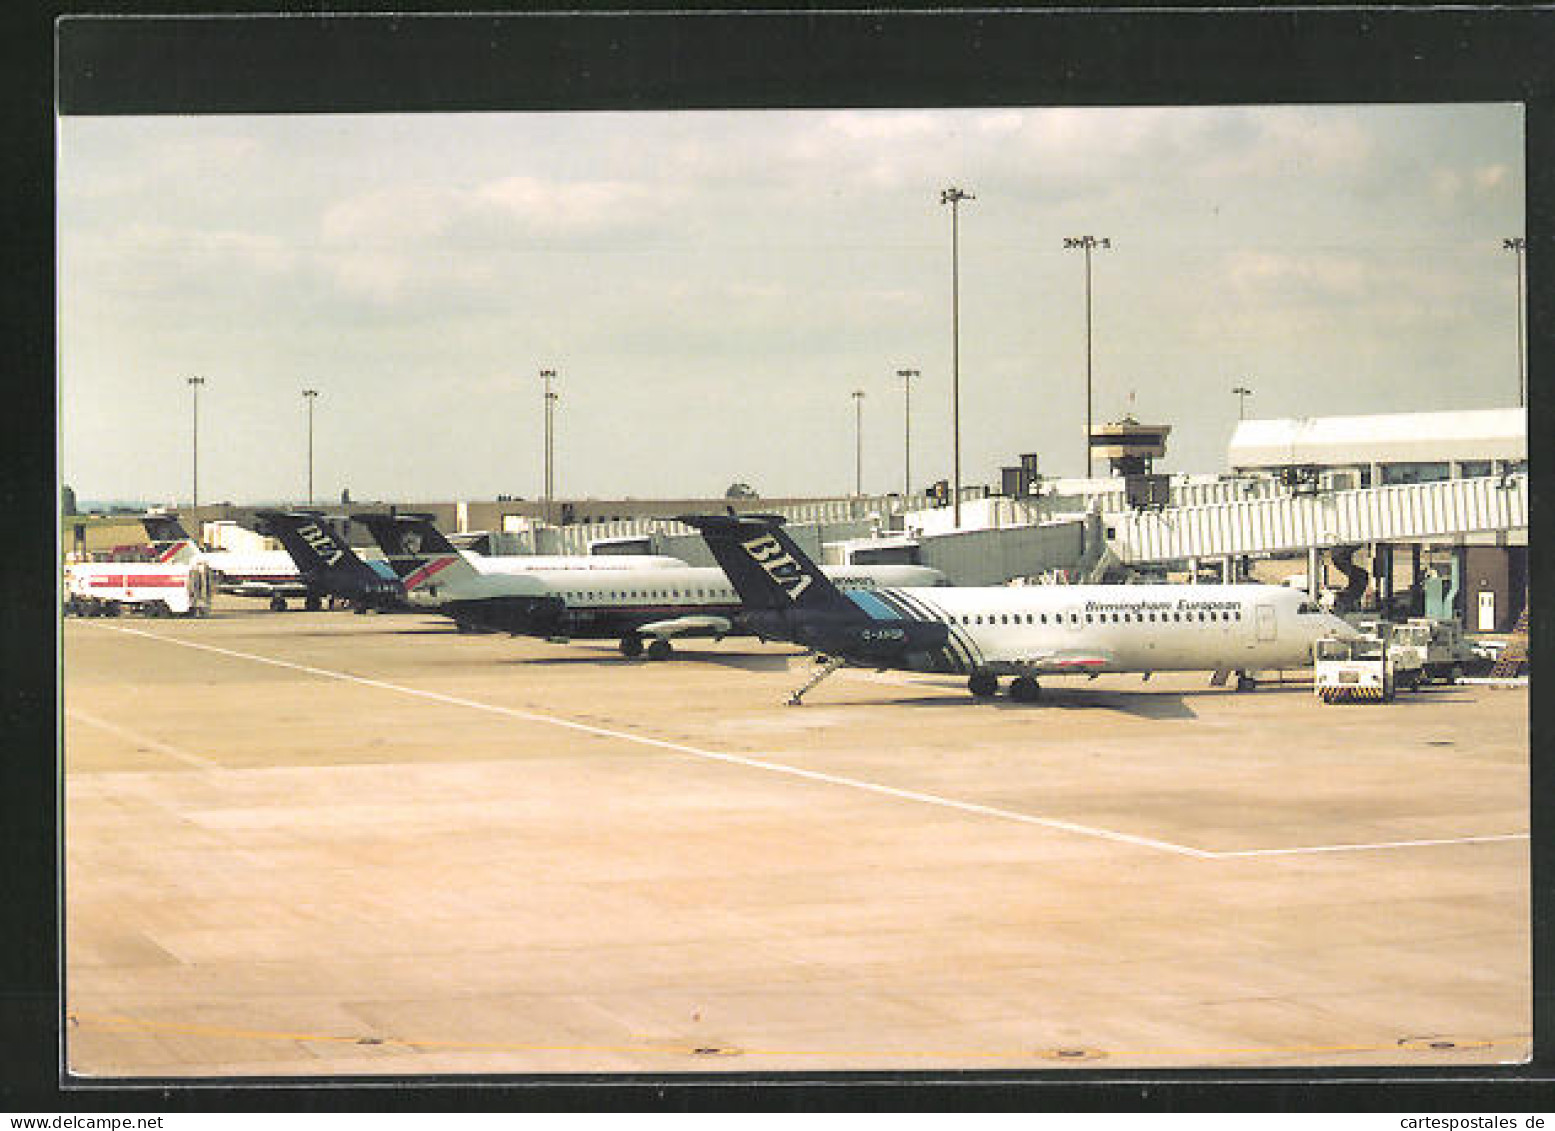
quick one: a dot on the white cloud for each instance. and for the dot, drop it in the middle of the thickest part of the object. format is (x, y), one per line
(561, 208)
(792, 250)
(1333, 276)
(389, 216)
(884, 125)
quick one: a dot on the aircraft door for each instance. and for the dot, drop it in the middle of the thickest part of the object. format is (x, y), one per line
(1268, 626)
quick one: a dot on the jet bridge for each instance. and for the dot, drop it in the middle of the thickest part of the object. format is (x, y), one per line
(1444, 510)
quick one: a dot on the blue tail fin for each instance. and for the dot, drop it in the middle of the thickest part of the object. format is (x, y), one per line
(767, 568)
(325, 560)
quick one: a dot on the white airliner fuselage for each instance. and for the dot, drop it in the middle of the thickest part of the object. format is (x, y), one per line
(1118, 628)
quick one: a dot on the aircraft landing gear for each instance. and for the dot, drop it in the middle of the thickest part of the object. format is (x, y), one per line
(313, 603)
(631, 646)
(983, 684)
(1024, 689)
(660, 650)
(828, 665)
(277, 604)
(1245, 682)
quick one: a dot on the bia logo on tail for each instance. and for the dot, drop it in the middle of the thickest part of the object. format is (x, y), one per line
(322, 543)
(769, 554)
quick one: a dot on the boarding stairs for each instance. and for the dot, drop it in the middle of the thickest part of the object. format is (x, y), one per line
(1515, 654)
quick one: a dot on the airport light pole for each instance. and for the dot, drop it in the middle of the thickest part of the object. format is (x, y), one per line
(1241, 392)
(953, 196)
(1518, 245)
(1087, 243)
(858, 442)
(907, 375)
(194, 383)
(310, 395)
(547, 376)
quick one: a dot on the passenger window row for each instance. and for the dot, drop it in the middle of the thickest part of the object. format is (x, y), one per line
(1093, 618)
(657, 594)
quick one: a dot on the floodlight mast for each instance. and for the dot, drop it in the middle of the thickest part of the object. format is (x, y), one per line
(195, 383)
(1518, 245)
(310, 395)
(1087, 244)
(953, 196)
(907, 375)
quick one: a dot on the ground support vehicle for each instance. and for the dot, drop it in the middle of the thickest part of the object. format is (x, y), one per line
(1353, 671)
(96, 589)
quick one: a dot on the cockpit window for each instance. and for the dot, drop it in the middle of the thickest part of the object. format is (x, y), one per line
(1309, 607)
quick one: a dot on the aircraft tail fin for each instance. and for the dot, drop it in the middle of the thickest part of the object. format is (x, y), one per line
(417, 550)
(323, 558)
(169, 539)
(766, 567)
(164, 527)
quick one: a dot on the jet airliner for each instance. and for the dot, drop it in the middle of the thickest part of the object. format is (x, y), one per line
(643, 608)
(987, 633)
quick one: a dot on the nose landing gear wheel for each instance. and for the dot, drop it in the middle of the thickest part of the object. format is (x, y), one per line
(659, 650)
(631, 646)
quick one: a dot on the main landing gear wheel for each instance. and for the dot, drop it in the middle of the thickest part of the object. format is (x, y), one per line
(1024, 689)
(1245, 682)
(277, 604)
(983, 684)
(660, 650)
(631, 646)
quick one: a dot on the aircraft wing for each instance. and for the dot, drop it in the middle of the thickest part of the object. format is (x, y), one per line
(693, 625)
(250, 587)
(1061, 661)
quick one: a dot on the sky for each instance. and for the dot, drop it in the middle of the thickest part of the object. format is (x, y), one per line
(712, 287)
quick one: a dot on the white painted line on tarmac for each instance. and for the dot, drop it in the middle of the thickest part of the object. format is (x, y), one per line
(1372, 847)
(682, 748)
(814, 775)
(173, 752)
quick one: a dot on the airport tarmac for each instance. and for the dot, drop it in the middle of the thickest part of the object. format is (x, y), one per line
(326, 844)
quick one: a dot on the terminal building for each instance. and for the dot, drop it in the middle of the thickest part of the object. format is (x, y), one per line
(1346, 452)
(1405, 514)
(1478, 577)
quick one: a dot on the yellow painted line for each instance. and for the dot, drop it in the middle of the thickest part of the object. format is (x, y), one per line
(1085, 1053)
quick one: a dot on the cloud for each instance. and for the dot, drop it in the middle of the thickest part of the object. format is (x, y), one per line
(1321, 275)
(389, 216)
(543, 207)
(1489, 177)
(882, 125)
(392, 243)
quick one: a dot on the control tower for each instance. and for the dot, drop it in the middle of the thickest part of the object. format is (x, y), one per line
(1129, 447)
